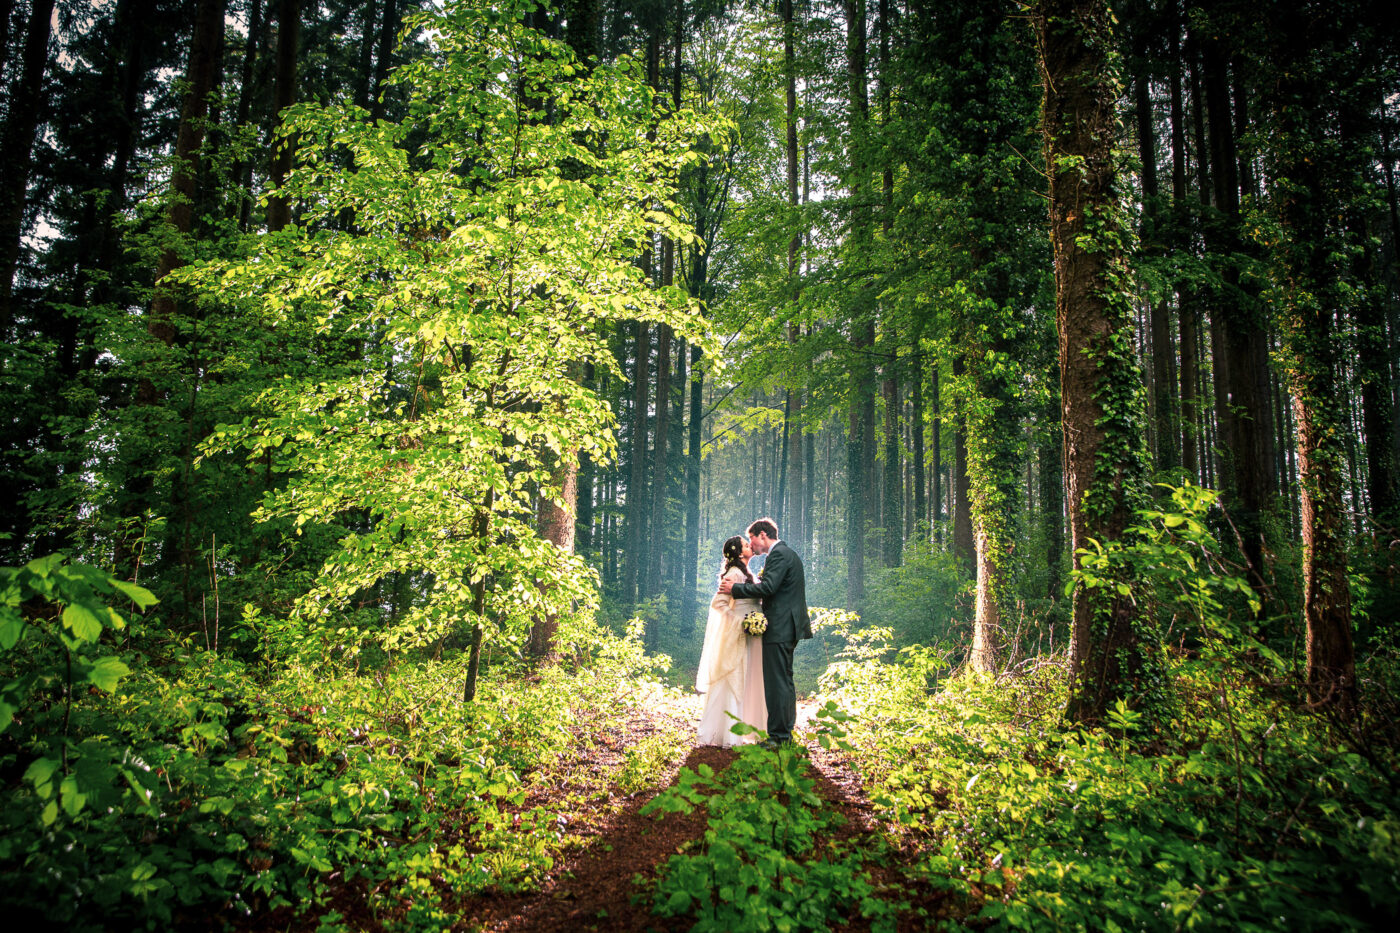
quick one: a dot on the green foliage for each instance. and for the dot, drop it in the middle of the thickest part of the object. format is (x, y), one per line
(206, 785)
(918, 600)
(53, 615)
(1225, 808)
(457, 310)
(767, 860)
(1249, 815)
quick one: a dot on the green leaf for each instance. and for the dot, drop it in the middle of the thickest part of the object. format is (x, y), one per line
(11, 628)
(73, 799)
(40, 771)
(142, 597)
(106, 672)
(81, 621)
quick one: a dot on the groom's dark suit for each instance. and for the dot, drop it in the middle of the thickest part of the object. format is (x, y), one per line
(782, 587)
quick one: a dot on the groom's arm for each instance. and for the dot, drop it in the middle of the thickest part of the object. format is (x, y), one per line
(774, 572)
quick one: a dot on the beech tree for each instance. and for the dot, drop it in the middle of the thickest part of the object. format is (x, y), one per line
(490, 247)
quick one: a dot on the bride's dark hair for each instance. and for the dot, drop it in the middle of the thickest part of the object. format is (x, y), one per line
(734, 557)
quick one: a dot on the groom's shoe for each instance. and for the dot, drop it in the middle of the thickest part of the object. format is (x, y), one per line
(769, 744)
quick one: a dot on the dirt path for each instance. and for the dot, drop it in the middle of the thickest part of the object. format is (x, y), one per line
(593, 887)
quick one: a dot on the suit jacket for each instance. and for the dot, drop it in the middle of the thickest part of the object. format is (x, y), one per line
(782, 587)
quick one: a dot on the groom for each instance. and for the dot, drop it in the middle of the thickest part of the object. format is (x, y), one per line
(783, 588)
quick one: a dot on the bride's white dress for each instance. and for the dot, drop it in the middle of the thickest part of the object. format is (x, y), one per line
(731, 671)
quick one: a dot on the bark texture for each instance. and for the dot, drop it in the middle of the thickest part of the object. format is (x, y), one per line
(1100, 410)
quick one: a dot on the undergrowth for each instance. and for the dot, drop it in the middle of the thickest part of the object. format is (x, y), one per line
(1242, 812)
(202, 786)
(769, 859)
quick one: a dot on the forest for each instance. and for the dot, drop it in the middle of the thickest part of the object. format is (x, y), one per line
(381, 379)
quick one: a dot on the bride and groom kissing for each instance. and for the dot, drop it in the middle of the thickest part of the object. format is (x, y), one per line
(749, 676)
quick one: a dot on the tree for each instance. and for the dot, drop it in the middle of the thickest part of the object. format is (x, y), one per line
(1310, 171)
(1100, 384)
(472, 304)
(22, 119)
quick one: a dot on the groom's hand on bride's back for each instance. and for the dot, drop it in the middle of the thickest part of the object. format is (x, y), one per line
(725, 586)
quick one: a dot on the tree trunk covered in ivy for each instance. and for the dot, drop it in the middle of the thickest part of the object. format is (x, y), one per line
(1100, 388)
(1307, 172)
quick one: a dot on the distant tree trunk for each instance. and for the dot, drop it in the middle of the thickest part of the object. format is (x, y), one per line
(964, 544)
(691, 557)
(936, 495)
(634, 544)
(916, 439)
(279, 210)
(26, 105)
(1239, 340)
(1373, 358)
(388, 29)
(1052, 505)
(891, 487)
(203, 68)
(660, 458)
(795, 518)
(1100, 408)
(243, 170)
(1186, 311)
(855, 510)
(1163, 401)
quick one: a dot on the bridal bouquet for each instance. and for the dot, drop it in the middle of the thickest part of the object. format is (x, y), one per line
(755, 623)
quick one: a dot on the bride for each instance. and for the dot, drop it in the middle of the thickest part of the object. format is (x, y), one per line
(731, 661)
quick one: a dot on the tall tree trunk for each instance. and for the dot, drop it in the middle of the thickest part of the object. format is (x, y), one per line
(691, 556)
(1238, 339)
(891, 486)
(1100, 407)
(1305, 176)
(661, 452)
(279, 210)
(861, 502)
(205, 50)
(1163, 402)
(964, 544)
(1186, 311)
(388, 29)
(633, 546)
(1052, 505)
(936, 494)
(916, 440)
(855, 510)
(556, 523)
(26, 105)
(795, 518)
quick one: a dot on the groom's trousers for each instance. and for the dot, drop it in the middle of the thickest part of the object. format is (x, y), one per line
(778, 690)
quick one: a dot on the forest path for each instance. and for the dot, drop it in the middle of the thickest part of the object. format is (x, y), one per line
(592, 886)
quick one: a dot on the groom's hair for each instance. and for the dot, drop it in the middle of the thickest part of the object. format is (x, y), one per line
(764, 526)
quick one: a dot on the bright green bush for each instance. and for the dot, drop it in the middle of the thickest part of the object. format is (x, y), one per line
(213, 786)
(767, 860)
(1229, 807)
